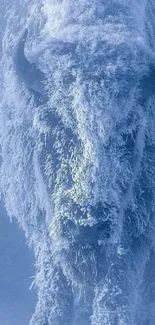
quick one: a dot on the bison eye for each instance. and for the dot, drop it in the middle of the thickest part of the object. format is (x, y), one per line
(147, 84)
(129, 140)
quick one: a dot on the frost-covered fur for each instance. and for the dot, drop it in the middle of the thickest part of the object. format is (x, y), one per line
(81, 181)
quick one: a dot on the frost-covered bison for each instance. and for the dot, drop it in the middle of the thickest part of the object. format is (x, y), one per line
(93, 87)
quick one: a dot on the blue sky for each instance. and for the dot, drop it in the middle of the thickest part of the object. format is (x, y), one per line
(17, 302)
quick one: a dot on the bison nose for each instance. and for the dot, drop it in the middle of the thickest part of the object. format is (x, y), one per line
(91, 235)
(103, 229)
